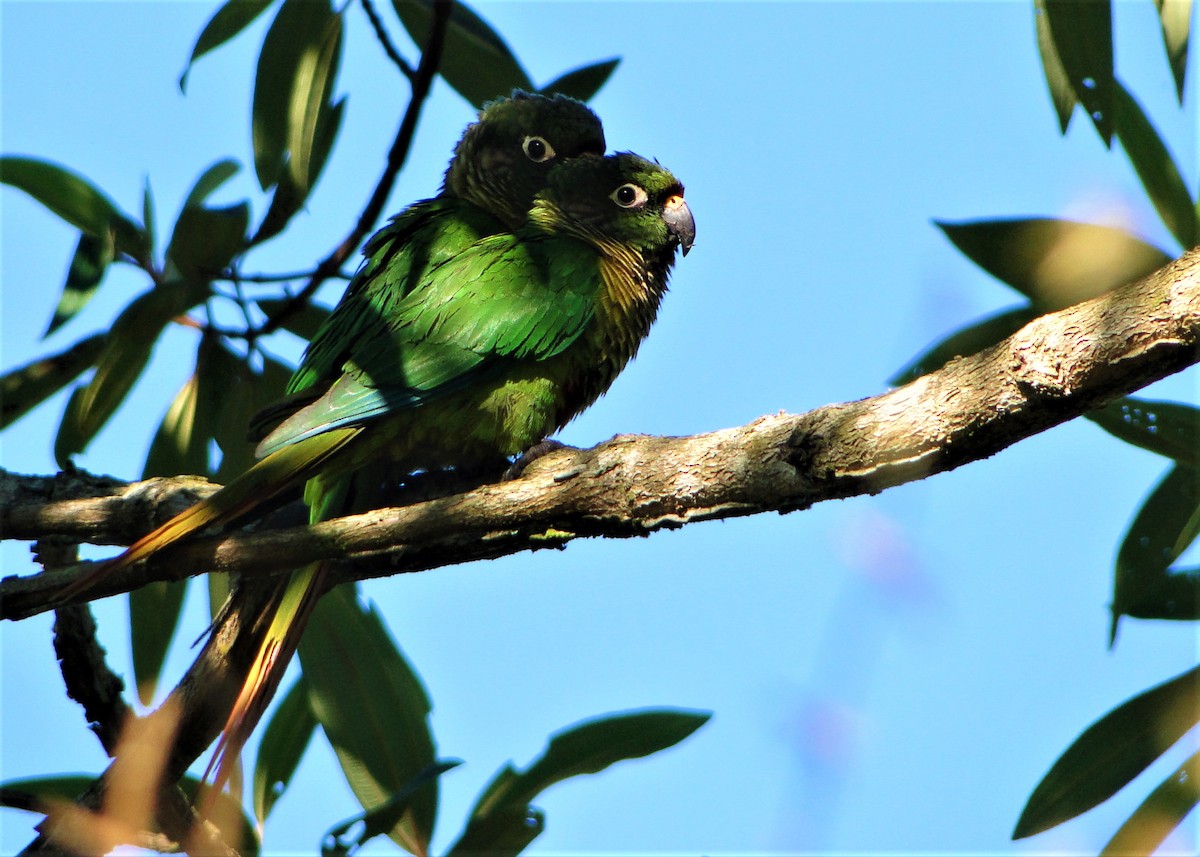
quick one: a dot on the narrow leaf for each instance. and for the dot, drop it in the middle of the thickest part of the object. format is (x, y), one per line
(283, 744)
(304, 322)
(1082, 35)
(1111, 752)
(1160, 813)
(967, 340)
(506, 832)
(92, 257)
(148, 219)
(1176, 17)
(24, 388)
(205, 240)
(476, 62)
(211, 179)
(154, 612)
(1155, 168)
(249, 392)
(226, 22)
(373, 709)
(1055, 263)
(309, 109)
(1062, 94)
(384, 817)
(1165, 428)
(583, 83)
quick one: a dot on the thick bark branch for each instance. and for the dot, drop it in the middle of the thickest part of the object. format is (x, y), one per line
(1053, 369)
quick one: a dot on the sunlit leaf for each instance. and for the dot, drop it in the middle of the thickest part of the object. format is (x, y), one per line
(226, 22)
(283, 744)
(92, 257)
(75, 200)
(373, 709)
(1062, 93)
(584, 82)
(1176, 17)
(1156, 168)
(1160, 813)
(303, 322)
(1165, 428)
(211, 179)
(1111, 752)
(476, 62)
(1055, 263)
(24, 388)
(309, 109)
(205, 240)
(1082, 35)
(968, 340)
(381, 819)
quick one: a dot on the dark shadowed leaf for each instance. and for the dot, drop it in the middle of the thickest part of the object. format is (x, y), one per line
(298, 31)
(506, 832)
(225, 23)
(148, 219)
(1055, 263)
(211, 179)
(92, 257)
(75, 200)
(1176, 20)
(1161, 812)
(1082, 34)
(205, 240)
(1166, 428)
(968, 340)
(250, 391)
(304, 322)
(584, 82)
(381, 819)
(1111, 752)
(373, 709)
(309, 110)
(284, 741)
(476, 62)
(1156, 168)
(286, 200)
(1062, 94)
(26, 387)
(154, 611)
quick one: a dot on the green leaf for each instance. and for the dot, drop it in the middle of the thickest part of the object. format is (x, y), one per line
(1164, 428)
(283, 744)
(584, 82)
(1156, 168)
(1145, 586)
(225, 23)
(1111, 752)
(968, 340)
(211, 179)
(506, 832)
(249, 392)
(24, 388)
(476, 62)
(1062, 94)
(206, 240)
(1161, 812)
(309, 109)
(154, 611)
(384, 817)
(148, 218)
(286, 200)
(300, 27)
(1176, 17)
(1082, 36)
(180, 445)
(373, 709)
(92, 257)
(303, 322)
(1055, 263)
(75, 200)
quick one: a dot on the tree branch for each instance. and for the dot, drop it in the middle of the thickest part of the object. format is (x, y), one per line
(1055, 368)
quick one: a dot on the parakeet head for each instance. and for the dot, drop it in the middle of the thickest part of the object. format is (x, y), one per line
(505, 156)
(617, 203)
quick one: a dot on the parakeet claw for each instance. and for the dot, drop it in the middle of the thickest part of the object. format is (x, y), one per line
(526, 458)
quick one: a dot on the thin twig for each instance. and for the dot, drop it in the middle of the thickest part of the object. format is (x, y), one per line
(386, 41)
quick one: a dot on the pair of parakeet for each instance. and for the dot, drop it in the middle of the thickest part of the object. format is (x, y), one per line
(482, 321)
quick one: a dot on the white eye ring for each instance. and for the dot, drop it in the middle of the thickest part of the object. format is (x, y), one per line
(629, 196)
(537, 149)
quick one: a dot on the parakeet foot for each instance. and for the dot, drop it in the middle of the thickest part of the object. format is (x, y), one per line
(526, 458)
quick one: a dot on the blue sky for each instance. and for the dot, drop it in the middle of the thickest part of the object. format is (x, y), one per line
(887, 674)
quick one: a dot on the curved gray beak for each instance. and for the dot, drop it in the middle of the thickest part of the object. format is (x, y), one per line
(680, 222)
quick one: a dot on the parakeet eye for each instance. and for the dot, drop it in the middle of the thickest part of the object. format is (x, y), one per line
(629, 196)
(537, 149)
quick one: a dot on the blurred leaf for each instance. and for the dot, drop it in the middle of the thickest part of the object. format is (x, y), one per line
(1055, 263)
(1161, 812)
(180, 445)
(1082, 35)
(75, 200)
(585, 748)
(1165, 428)
(303, 322)
(1144, 585)
(322, 143)
(381, 819)
(299, 29)
(476, 62)
(309, 109)
(249, 392)
(1155, 168)
(154, 611)
(92, 257)
(373, 709)
(505, 832)
(1111, 752)
(284, 741)
(1062, 93)
(286, 200)
(584, 82)
(211, 179)
(24, 388)
(1176, 17)
(148, 218)
(205, 240)
(226, 22)
(967, 340)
